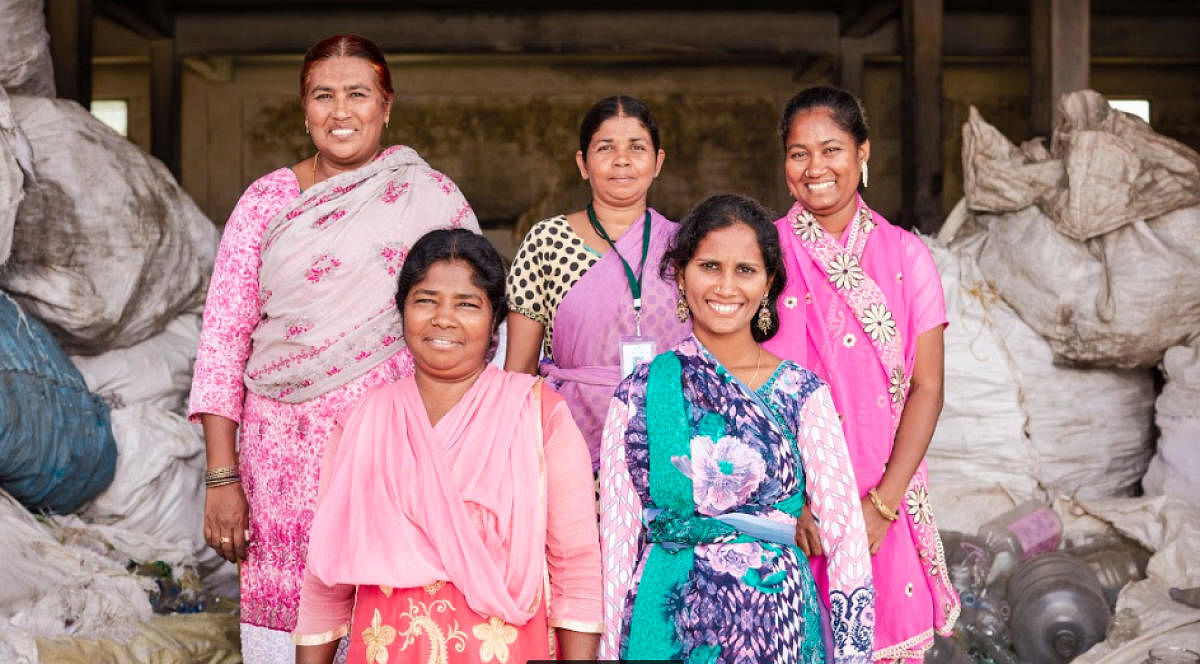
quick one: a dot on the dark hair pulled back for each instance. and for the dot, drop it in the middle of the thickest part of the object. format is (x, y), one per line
(456, 244)
(846, 109)
(611, 107)
(347, 46)
(721, 211)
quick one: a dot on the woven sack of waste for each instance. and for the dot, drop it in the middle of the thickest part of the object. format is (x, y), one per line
(48, 588)
(157, 371)
(1175, 468)
(56, 444)
(1016, 424)
(25, 65)
(107, 248)
(13, 150)
(158, 488)
(1131, 288)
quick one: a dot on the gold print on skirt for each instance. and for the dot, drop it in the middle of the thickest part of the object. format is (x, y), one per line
(494, 636)
(419, 621)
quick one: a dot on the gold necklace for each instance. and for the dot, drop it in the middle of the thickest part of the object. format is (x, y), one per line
(757, 366)
(316, 158)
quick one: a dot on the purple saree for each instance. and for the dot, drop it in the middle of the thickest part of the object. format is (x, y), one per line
(596, 313)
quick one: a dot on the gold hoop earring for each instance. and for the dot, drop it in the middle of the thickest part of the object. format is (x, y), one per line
(866, 175)
(763, 320)
(681, 307)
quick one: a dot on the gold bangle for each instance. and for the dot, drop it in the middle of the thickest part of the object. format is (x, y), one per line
(220, 473)
(889, 514)
(222, 481)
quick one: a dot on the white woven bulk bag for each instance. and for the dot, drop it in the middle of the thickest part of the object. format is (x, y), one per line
(1175, 468)
(1095, 243)
(13, 151)
(157, 371)
(25, 65)
(107, 248)
(158, 488)
(1014, 422)
(50, 589)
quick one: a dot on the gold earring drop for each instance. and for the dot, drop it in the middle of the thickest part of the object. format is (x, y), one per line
(681, 307)
(306, 127)
(866, 174)
(763, 322)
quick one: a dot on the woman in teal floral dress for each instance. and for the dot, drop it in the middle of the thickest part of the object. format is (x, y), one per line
(710, 451)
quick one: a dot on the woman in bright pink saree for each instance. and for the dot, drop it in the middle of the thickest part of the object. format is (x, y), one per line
(582, 288)
(454, 521)
(863, 308)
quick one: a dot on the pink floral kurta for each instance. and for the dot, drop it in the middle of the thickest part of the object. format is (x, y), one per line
(280, 444)
(849, 310)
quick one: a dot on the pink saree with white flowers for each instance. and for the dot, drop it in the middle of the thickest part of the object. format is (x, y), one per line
(852, 311)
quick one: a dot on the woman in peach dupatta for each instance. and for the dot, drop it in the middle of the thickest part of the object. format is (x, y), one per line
(454, 521)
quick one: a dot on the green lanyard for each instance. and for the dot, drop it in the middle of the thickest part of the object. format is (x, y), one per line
(635, 280)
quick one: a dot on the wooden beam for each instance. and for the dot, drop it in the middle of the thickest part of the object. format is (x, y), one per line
(164, 103)
(149, 21)
(921, 122)
(559, 31)
(69, 23)
(861, 19)
(1060, 56)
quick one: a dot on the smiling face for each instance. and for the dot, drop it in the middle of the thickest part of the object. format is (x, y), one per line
(621, 162)
(823, 166)
(448, 321)
(345, 110)
(724, 282)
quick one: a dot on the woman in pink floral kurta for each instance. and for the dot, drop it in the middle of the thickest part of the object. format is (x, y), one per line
(299, 311)
(863, 309)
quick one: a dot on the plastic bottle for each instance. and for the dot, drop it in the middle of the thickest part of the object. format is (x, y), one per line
(1058, 609)
(1116, 561)
(1124, 627)
(969, 561)
(1019, 534)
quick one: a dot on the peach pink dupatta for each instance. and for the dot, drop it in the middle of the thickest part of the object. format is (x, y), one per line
(404, 501)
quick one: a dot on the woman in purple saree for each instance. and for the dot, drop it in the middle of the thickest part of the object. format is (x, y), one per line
(579, 290)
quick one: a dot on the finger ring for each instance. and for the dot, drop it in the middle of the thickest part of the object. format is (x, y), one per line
(225, 540)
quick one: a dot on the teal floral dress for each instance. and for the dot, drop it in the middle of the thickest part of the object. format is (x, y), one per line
(701, 479)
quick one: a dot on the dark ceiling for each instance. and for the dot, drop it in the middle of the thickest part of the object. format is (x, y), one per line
(857, 17)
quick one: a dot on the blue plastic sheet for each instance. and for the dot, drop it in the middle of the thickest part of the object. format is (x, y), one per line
(56, 444)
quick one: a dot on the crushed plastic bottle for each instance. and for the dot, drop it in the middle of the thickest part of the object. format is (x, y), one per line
(1124, 628)
(969, 562)
(1115, 560)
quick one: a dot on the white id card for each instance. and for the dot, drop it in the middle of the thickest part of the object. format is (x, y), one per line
(634, 351)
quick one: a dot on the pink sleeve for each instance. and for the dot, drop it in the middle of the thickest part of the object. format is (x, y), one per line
(620, 526)
(572, 542)
(924, 286)
(834, 499)
(325, 611)
(231, 310)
